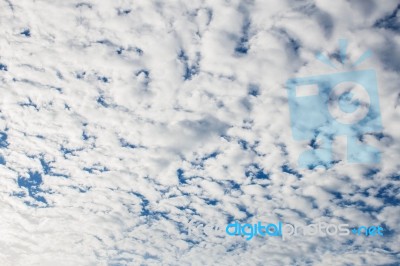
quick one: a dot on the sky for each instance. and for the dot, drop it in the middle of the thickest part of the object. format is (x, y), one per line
(126, 127)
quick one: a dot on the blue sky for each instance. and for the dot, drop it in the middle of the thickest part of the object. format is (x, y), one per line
(125, 125)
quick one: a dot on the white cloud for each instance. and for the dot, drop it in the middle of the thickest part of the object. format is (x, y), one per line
(142, 117)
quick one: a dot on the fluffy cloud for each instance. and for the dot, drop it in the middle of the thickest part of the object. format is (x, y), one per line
(129, 126)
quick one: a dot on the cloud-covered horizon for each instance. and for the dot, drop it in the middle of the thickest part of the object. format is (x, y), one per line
(123, 123)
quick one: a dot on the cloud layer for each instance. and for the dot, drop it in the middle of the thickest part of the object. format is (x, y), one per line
(125, 125)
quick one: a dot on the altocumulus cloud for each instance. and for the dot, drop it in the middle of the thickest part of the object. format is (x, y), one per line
(122, 122)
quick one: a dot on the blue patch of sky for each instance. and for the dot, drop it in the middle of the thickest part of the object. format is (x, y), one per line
(388, 231)
(96, 169)
(3, 140)
(3, 67)
(32, 183)
(189, 70)
(60, 90)
(320, 164)
(255, 171)
(187, 209)
(146, 74)
(377, 135)
(20, 194)
(294, 44)
(283, 148)
(254, 90)
(101, 100)
(59, 75)
(80, 74)
(148, 256)
(230, 219)
(65, 151)
(103, 79)
(121, 260)
(123, 11)
(200, 161)
(301, 214)
(391, 21)
(183, 229)
(243, 144)
(26, 33)
(181, 177)
(232, 185)
(124, 143)
(243, 209)
(389, 194)
(242, 246)
(287, 169)
(394, 177)
(336, 194)
(192, 242)
(137, 50)
(89, 169)
(226, 137)
(370, 173)
(356, 204)
(247, 124)
(85, 136)
(209, 15)
(181, 208)
(211, 155)
(211, 202)
(105, 42)
(81, 189)
(291, 44)
(157, 215)
(326, 212)
(120, 50)
(144, 71)
(47, 169)
(242, 45)
(314, 144)
(145, 204)
(30, 103)
(45, 166)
